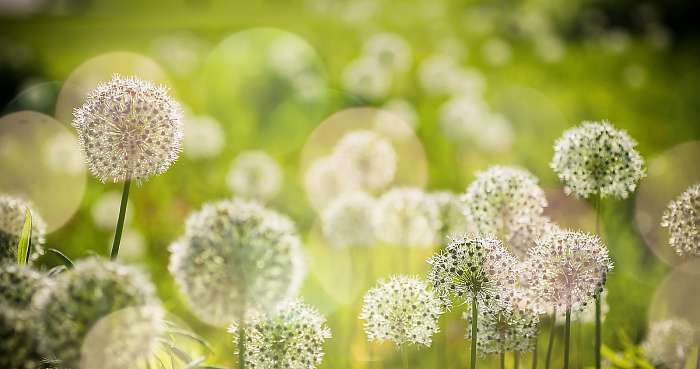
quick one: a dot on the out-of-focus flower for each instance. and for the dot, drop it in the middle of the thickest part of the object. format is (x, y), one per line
(508, 203)
(442, 75)
(404, 110)
(367, 157)
(347, 221)
(367, 78)
(19, 345)
(129, 129)
(503, 329)
(18, 284)
(682, 218)
(180, 52)
(473, 266)
(406, 217)
(391, 50)
(237, 259)
(586, 315)
(567, 270)
(79, 298)
(402, 310)
(291, 337)
(204, 137)
(62, 154)
(549, 48)
(597, 159)
(106, 210)
(496, 52)
(465, 119)
(634, 75)
(454, 218)
(289, 56)
(12, 217)
(323, 183)
(254, 174)
(669, 343)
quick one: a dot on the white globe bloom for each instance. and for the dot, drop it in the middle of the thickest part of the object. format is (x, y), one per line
(255, 174)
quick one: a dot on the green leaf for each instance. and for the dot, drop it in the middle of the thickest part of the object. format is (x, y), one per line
(64, 258)
(194, 363)
(191, 336)
(24, 246)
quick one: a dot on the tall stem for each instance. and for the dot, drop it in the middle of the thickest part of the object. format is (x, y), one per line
(598, 325)
(502, 360)
(404, 357)
(475, 316)
(516, 360)
(550, 344)
(534, 352)
(120, 220)
(567, 334)
(697, 363)
(241, 345)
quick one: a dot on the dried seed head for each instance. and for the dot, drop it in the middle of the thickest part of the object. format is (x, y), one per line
(682, 218)
(595, 158)
(129, 129)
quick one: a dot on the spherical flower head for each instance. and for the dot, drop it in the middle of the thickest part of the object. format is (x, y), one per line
(367, 157)
(401, 310)
(237, 259)
(129, 129)
(454, 220)
(347, 221)
(595, 158)
(12, 217)
(507, 202)
(19, 345)
(292, 337)
(390, 50)
(254, 174)
(323, 183)
(682, 218)
(669, 343)
(18, 284)
(473, 266)
(406, 217)
(504, 328)
(568, 269)
(79, 298)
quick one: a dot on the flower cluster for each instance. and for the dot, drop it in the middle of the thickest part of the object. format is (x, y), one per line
(682, 218)
(12, 216)
(129, 129)
(237, 258)
(255, 174)
(19, 284)
(402, 310)
(508, 203)
(406, 217)
(597, 159)
(80, 298)
(291, 337)
(669, 343)
(504, 329)
(367, 157)
(347, 221)
(473, 266)
(568, 269)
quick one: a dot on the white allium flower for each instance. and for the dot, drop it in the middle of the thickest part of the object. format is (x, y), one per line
(291, 337)
(12, 216)
(347, 221)
(391, 50)
(255, 174)
(367, 78)
(496, 52)
(367, 157)
(237, 259)
(105, 210)
(123, 339)
(567, 270)
(454, 218)
(473, 266)
(18, 284)
(586, 314)
(19, 344)
(507, 202)
(406, 217)
(129, 129)
(204, 137)
(80, 297)
(682, 218)
(669, 343)
(323, 182)
(597, 159)
(441, 75)
(402, 310)
(503, 329)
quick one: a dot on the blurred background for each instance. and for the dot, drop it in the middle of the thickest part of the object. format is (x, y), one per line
(269, 88)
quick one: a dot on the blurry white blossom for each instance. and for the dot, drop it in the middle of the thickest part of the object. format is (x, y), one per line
(323, 182)
(255, 174)
(401, 310)
(367, 157)
(682, 218)
(19, 345)
(182, 53)
(105, 210)
(12, 217)
(595, 158)
(669, 343)
(404, 110)
(550, 48)
(406, 217)
(454, 218)
(503, 329)
(367, 78)
(347, 221)
(129, 129)
(62, 153)
(204, 137)
(442, 75)
(18, 284)
(496, 52)
(391, 50)
(465, 119)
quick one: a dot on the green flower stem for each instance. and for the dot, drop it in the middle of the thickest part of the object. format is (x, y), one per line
(241, 345)
(516, 360)
(475, 316)
(404, 357)
(534, 352)
(697, 363)
(550, 344)
(567, 334)
(598, 329)
(502, 360)
(120, 221)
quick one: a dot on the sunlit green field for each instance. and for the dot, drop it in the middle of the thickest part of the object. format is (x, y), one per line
(541, 68)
